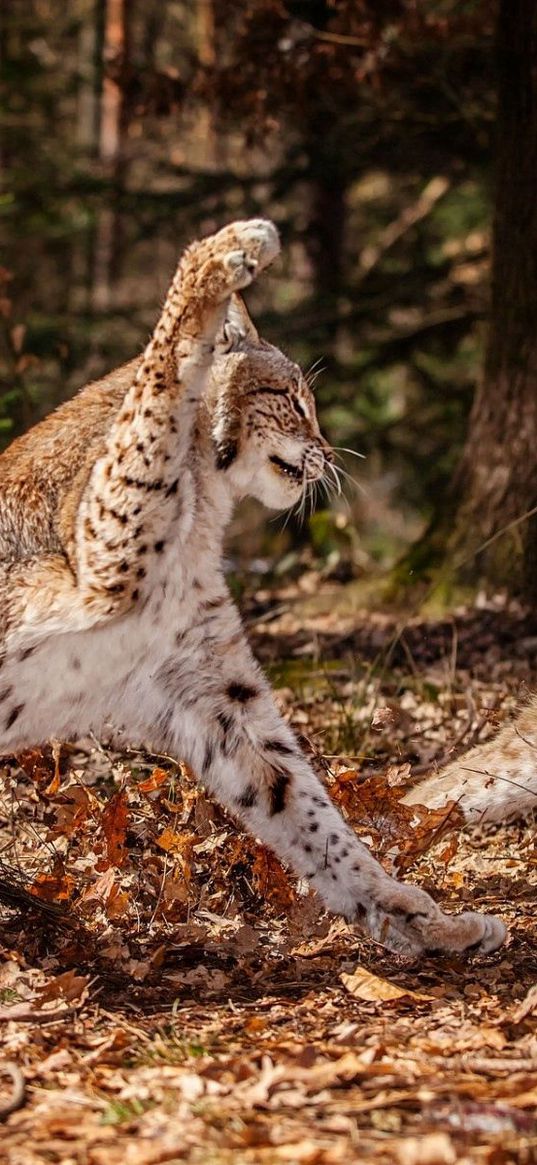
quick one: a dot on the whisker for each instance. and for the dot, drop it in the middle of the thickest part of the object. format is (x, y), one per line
(312, 377)
(329, 489)
(335, 498)
(313, 366)
(353, 453)
(313, 496)
(335, 471)
(355, 484)
(305, 495)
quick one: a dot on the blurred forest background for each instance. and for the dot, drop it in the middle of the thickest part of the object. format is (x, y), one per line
(368, 132)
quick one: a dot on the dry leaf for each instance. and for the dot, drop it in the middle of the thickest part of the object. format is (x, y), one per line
(68, 986)
(363, 985)
(382, 718)
(154, 781)
(270, 879)
(101, 888)
(177, 843)
(71, 809)
(39, 766)
(57, 886)
(117, 904)
(448, 853)
(114, 823)
(375, 810)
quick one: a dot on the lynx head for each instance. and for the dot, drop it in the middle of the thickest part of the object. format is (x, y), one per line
(262, 413)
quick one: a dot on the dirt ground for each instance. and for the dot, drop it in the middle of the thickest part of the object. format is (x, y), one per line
(169, 993)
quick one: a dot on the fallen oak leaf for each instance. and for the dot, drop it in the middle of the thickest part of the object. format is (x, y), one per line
(57, 886)
(154, 781)
(68, 986)
(117, 903)
(105, 890)
(100, 889)
(397, 775)
(114, 824)
(382, 718)
(375, 809)
(71, 809)
(270, 879)
(450, 850)
(16, 894)
(176, 843)
(39, 766)
(362, 984)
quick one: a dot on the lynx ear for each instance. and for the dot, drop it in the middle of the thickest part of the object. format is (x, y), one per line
(237, 326)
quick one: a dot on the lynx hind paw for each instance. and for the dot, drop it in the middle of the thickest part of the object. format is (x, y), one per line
(413, 924)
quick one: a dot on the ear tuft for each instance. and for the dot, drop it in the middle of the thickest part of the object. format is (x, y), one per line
(238, 327)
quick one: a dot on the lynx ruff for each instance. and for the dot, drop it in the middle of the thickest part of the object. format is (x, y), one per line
(113, 604)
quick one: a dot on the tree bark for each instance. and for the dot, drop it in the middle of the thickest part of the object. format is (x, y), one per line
(210, 143)
(114, 123)
(496, 483)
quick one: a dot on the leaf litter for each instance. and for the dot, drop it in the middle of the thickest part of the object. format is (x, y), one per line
(168, 992)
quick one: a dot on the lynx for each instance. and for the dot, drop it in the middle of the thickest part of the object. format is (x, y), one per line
(115, 617)
(495, 781)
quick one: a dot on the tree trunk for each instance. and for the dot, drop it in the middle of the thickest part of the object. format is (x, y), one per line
(90, 36)
(207, 138)
(114, 122)
(496, 483)
(325, 235)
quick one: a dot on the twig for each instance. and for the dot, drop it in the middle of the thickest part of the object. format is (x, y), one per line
(15, 894)
(18, 1090)
(371, 255)
(337, 37)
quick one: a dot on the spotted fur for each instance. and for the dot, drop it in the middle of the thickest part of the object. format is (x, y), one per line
(495, 781)
(115, 617)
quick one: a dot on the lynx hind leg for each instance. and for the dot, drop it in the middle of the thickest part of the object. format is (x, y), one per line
(219, 715)
(230, 260)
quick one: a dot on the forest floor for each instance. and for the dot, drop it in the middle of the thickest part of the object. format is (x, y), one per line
(169, 994)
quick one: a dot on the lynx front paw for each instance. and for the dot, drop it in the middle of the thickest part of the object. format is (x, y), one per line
(230, 260)
(410, 922)
(259, 240)
(256, 242)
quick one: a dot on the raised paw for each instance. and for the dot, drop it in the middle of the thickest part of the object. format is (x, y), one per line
(231, 259)
(408, 921)
(259, 240)
(241, 269)
(256, 243)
